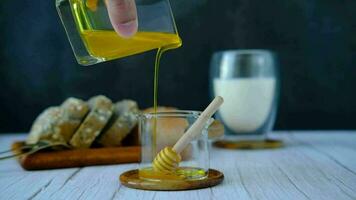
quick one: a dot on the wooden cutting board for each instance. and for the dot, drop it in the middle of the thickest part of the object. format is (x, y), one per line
(77, 157)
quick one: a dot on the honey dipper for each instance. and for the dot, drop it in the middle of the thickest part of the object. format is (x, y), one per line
(168, 159)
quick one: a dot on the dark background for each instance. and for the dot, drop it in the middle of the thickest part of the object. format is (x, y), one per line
(315, 41)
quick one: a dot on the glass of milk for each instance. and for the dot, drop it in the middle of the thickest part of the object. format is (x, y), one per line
(248, 82)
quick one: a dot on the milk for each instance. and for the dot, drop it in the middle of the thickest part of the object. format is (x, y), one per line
(247, 102)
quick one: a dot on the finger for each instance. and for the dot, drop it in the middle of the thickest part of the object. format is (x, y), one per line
(123, 16)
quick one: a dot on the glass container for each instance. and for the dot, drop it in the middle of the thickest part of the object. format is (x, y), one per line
(249, 83)
(94, 40)
(162, 129)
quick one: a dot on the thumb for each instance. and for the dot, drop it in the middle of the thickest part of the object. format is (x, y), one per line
(123, 16)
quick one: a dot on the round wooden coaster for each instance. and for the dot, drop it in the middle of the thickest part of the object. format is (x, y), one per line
(131, 179)
(249, 144)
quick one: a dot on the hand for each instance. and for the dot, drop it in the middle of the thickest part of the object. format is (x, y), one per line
(123, 17)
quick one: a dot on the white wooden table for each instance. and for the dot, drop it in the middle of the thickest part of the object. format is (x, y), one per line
(313, 165)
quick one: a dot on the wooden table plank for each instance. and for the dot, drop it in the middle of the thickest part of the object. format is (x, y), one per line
(338, 146)
(333, 157)
(313, 165)
(99, 182)
(313, 173)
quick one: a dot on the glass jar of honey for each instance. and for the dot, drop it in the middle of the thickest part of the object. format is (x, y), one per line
(94, 40)
(163, 129)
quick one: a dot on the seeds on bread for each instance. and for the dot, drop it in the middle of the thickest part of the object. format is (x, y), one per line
(123, 121)
(75, 111)
(58, 124)
(47, 127)
(101, 109)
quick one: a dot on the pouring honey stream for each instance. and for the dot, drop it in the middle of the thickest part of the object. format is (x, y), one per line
(107, 45)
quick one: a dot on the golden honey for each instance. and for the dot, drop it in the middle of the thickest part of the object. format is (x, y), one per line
(181, 173)
(107, 44)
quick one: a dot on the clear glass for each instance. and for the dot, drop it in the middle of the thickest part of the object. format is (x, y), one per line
(94, 40)
(248, 81)
(170, 126)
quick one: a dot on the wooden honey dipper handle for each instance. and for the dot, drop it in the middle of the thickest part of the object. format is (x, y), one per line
(198, 125)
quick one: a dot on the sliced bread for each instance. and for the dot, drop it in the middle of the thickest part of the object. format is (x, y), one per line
(101, 109)
(123, 121)
(58, 124)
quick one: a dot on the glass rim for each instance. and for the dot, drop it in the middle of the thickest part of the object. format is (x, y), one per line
(170, 113)
(244, 51)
